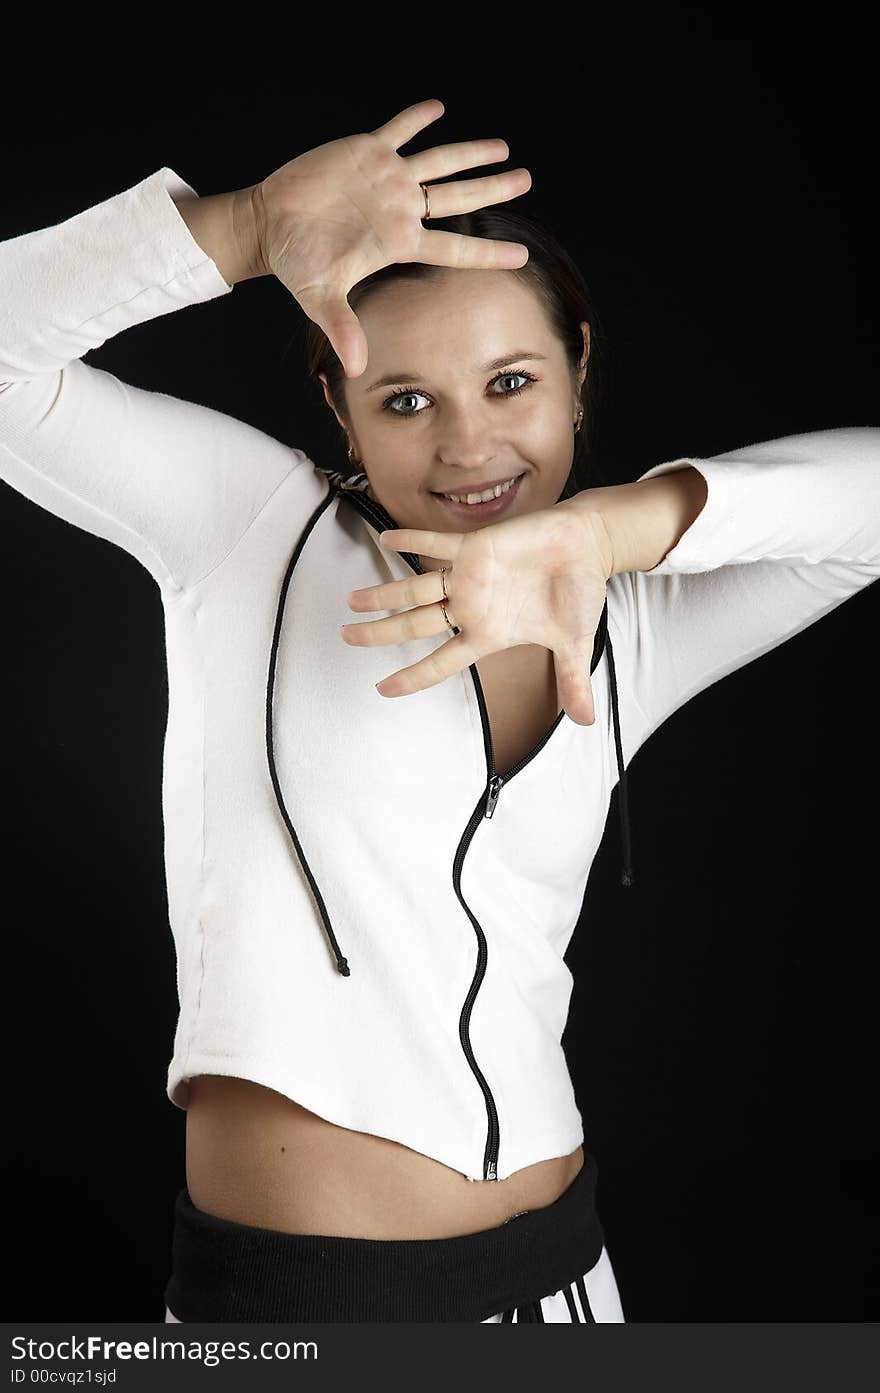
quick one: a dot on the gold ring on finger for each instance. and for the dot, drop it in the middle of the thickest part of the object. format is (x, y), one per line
(452, 626)
(443, 570)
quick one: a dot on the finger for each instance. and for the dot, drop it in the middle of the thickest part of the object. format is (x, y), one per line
(469, 253)
(398, 594)
(464, 195)
(410, 121)
(572, 669)
(450, 159)
(350, 346)
(342, 327)
(422, 622)
(442, 546)
(449, 658)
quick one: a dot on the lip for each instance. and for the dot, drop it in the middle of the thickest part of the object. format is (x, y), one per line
(490, 508)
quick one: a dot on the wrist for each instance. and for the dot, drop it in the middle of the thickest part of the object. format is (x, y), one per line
(643, 520)
(225, 227)
(586, 507)
(246, 212)
(255, 216)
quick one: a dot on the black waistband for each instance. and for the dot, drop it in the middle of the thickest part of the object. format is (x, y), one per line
(226, 1271)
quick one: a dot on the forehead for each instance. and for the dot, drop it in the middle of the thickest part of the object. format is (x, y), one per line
(485, 310)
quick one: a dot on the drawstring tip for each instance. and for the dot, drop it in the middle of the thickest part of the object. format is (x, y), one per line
(342, 965)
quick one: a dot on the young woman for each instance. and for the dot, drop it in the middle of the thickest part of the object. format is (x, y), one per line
(375, 864)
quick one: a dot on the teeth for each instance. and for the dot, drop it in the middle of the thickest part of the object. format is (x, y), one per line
(483, 497)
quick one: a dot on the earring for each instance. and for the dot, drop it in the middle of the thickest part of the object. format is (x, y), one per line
(580, 419)
(351, 455)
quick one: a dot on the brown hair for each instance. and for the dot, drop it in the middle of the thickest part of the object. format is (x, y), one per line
(552, 275)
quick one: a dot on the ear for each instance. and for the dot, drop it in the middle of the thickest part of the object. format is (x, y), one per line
(585, 330)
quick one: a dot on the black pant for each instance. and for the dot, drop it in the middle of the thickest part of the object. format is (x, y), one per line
(547, 1264)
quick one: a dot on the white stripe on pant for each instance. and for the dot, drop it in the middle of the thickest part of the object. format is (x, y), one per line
(593, 1297)
(568, 1305)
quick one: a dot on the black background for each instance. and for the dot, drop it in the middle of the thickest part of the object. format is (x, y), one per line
(716, 188)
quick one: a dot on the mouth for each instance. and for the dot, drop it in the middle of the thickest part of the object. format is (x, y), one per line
(491, 508)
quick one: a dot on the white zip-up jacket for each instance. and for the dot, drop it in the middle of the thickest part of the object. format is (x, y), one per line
(393, 962)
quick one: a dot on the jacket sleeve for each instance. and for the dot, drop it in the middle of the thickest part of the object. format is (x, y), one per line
(789, 530)
(174, 483)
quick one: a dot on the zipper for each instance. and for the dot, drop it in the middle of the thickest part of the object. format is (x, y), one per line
(485, 808)
(490, 1154)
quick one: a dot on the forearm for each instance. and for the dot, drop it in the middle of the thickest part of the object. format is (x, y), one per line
(224, 226)
(644, 520)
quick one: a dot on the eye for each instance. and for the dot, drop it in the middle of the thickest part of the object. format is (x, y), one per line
(389, 402)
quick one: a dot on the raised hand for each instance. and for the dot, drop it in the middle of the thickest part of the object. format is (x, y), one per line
(339, 212)
(539, 578)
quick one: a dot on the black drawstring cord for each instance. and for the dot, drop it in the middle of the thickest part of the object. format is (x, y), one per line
(627, 875)
(341, 962)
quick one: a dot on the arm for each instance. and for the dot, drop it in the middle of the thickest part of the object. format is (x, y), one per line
(644, 520)
(788, 530)
(174, 483)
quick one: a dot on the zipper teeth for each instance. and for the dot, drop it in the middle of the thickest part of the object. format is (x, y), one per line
(484, 716)
(490, 1156)
(526, 759)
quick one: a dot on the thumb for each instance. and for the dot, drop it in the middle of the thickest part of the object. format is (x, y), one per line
(347, 338)
(572, 668)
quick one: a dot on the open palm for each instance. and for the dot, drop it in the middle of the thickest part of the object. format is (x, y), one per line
(335, 214)
(539, 578)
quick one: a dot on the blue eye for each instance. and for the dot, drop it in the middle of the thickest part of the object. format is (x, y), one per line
(388, 403)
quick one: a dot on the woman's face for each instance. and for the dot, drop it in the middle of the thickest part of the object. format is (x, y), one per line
(458, 427)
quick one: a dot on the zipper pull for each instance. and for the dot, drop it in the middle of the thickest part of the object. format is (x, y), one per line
(493, 794)
(492, 1173)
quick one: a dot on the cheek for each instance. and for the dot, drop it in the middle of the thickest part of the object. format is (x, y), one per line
(396, 475)
(389, 458)
(548, 446)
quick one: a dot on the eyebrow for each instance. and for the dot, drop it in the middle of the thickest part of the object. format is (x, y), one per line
(392, 379)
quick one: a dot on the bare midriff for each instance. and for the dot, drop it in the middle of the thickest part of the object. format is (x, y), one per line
(259, 1158)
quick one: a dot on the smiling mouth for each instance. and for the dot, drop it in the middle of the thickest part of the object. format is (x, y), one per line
(477, 499)
(488, 509)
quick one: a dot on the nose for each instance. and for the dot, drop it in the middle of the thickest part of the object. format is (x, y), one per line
(467, 440)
